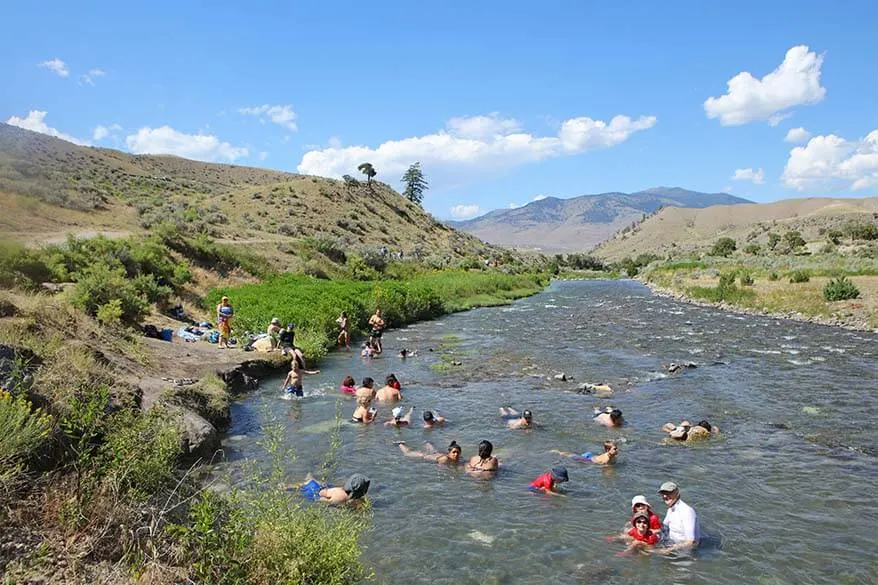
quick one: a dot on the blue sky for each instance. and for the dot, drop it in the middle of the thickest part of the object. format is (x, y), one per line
(500, 102)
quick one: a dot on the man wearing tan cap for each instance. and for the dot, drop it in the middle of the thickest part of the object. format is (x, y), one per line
(681, 527)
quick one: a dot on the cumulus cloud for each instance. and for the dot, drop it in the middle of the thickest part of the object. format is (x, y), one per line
(465, 211)
(832, 163)
(281, 115)
(476, 144)
(101, 132)
(795, 82)
(56, 66)
(35, 121)
(92, 74)
(797, 135)
(756, 176)
(166, 140)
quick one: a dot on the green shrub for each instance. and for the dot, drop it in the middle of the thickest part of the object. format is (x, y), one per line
(24, 430)
(861, 231)
(773, 276)
(794, 239)
(834, 236)
(110, 313)
(724, 291)
(773, 240)
(99, 285)
(723, 247)
(840, 289)
(746, 278)
(21, 267)
(800, 275)
(752, 248)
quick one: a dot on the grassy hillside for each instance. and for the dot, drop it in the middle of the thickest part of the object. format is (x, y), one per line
(50, 187)
(678, 232)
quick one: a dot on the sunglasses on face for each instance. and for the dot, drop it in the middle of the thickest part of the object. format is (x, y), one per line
(641, 522)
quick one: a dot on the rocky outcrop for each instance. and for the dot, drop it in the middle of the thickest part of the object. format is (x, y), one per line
(199, 439)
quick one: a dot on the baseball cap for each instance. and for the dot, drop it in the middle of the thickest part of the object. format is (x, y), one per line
(275, 321)
(668, 487)
(639, 500)
(357, 485)
(559, 474)
(638, 516)
(527, 414)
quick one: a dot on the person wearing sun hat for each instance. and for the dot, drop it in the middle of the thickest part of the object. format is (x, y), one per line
(548, 482)
(680, 526)
(400, 420)
(639, 505)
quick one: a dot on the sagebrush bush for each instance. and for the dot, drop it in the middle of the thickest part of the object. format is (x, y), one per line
(773, 276)
(23, 429)
(840, 289)
(799, 276)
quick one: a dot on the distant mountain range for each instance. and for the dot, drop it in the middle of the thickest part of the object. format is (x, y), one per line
(579, 223)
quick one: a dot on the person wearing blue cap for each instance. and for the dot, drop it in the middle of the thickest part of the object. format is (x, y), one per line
(548, 482)
(608, 457)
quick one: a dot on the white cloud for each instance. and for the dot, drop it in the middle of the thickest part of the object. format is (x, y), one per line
(448, 153)
(797, 135)
(56, 66)
(92, 74)
(281, 115)
(833, 163)
(756, 176)
(465, 211)
(101, 132)
(795, 82)
(166, 140)
(35, 121)
(482, 127)
(263, 155)
(539, 197)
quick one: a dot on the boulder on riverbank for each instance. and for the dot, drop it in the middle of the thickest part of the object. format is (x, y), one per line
(199, 438)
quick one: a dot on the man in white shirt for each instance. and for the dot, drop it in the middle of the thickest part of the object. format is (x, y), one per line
(680, 526)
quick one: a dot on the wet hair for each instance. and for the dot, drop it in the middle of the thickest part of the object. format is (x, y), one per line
(485, 449)
(608, 445)
(454, 446)
(368, 382)
(403, 352)
(428, 417)
(705, 425)
(348, 381)
(527, 415)
(615, 414)
(344, 314)
(390, 379)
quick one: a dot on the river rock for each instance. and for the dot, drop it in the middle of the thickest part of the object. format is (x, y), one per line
(199, 438)
(674, 367)
(239, 382)
(599, 390)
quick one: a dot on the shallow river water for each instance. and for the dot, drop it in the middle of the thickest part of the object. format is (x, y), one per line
(787, 493)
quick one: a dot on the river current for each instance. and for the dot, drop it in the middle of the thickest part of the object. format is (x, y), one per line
(786, 493)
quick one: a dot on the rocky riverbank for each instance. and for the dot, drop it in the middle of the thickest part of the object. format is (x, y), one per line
(852, 322)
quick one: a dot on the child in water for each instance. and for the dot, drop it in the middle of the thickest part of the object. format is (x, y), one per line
(548, 482)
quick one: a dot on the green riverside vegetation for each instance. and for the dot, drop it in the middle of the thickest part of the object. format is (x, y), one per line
(314, 305)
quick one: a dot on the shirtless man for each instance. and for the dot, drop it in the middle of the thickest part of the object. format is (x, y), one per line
(431, 420)
(451, 458)
(686, 432)
(608, 457)
(515, 420)
(292, 384)
(355, 488)
(609, 417)
(390, 391)
(377, 324)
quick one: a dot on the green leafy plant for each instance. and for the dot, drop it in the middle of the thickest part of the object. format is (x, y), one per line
(800, 275)
(840, 289)
(723, 247)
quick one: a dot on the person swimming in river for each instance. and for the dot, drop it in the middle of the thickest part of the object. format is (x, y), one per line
(365, 412)
(516, 420)
(368, 351)
(686, 432)
(377, 324)
(352, 492)
(484, 464)
(548, 482)
(407, 353)
(608, 457)
(344, 334)
(452, 457)
(609, 417)
(292, 384)
(398, 419)
(432, 420)
(348, 385)
(390, 391)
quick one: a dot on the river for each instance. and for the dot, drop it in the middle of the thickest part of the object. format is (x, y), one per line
(786, 493)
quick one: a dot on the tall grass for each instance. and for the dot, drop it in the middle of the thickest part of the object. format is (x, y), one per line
(314, 305)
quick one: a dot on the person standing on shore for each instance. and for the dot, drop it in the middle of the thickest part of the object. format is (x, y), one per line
(224, 314)
(377, 324)
(680, 526)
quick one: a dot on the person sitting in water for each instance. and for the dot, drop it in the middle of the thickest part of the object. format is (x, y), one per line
(292, 384)
(390, 391)
(609, 417)
(548, 482)
(286, 339)
(348, 386)
(452, 457)
(640, 534)
(686, 432)
(516, 420)
(484, 462)
(398, 419)
(367, 351)
(608, 457)
(407, 353)
(431, 420)
(680, 526)
(355, 488)
(639, 505)
(365, 412)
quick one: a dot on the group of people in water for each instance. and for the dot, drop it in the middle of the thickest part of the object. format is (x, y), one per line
(679, 530)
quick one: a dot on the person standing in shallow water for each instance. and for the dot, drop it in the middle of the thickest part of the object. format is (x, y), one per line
(224, 313)
(377, 324)
(680, 526)
(344, 334)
